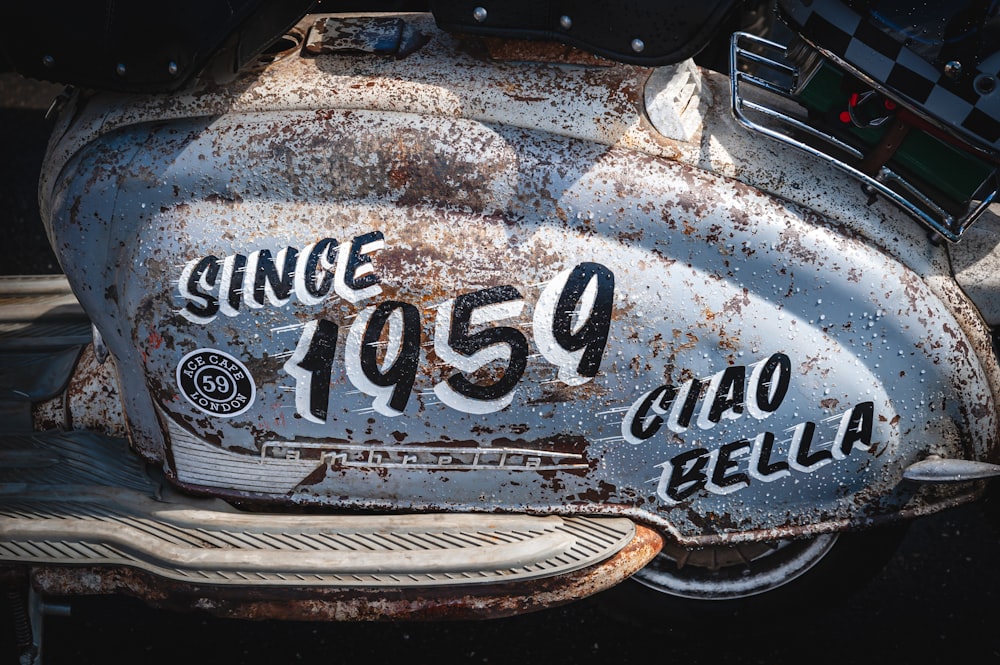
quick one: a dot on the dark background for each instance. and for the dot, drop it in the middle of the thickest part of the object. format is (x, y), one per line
(937, 601)
(23, 135)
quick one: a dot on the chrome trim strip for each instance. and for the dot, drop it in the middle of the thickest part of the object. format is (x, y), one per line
(914, 201)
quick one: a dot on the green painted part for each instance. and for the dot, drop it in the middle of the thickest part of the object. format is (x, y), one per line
(923, 158)
(955, 173)
(823, 92)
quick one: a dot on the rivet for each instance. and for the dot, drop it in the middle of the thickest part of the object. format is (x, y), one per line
(479, 13)
(638, 45)
(985, 84)
(172, 68)
(952, 68)
(49, 61)
(566, 22)
(120, 69)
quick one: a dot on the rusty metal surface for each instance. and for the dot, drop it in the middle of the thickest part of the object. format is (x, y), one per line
(420, 201)
(90, 401)
(723, 148)
(977, 265)
(359, 604)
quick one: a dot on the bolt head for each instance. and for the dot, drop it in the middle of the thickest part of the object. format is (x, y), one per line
(985, 84)
(479, 13)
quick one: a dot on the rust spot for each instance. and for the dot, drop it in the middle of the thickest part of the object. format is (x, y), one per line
(522, 50)
(601, 494)
(691, 343)
(734, 306)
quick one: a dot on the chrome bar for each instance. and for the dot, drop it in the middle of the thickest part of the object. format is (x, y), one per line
(912, 200)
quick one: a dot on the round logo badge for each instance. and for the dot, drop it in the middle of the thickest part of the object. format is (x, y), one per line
(216, 383)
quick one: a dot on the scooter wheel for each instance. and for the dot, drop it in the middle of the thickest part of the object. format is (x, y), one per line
(775, 577)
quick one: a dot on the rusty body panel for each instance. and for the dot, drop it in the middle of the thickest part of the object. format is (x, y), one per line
(450, 282)
(90, 401)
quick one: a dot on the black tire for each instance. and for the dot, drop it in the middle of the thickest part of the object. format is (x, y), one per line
(990, 504)
(844, 568)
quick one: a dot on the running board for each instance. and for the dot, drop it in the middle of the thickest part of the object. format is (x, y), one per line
(77, 500)
(42, 330)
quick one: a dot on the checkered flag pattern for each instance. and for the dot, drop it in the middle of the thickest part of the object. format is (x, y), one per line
(902, 73)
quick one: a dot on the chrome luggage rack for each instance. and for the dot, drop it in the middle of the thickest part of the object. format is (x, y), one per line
(767, 65)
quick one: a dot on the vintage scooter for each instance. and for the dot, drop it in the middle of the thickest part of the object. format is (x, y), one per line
(474, 312)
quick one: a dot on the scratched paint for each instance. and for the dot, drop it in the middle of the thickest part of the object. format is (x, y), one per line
(416, 273)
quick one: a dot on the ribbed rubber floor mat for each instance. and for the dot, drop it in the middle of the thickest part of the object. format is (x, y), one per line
(78, 498)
